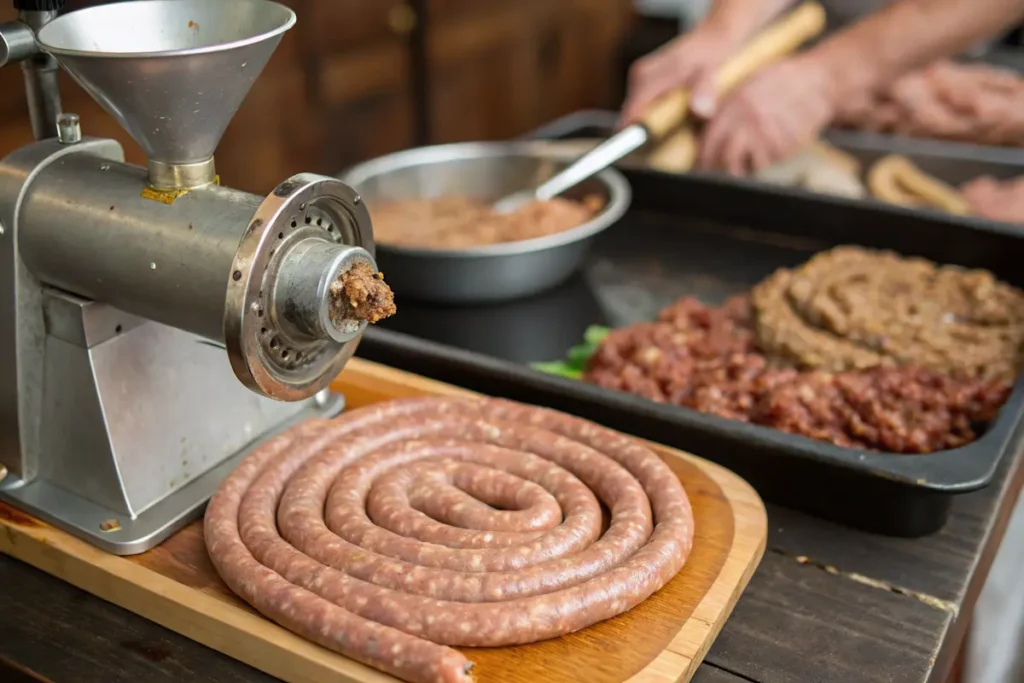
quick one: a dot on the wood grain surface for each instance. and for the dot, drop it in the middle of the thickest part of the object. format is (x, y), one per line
(662, 640)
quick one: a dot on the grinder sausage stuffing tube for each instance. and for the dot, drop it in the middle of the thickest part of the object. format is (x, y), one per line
(402, 529)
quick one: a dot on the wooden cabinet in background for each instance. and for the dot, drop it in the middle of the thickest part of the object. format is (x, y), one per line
(497, 70)
(342, 86)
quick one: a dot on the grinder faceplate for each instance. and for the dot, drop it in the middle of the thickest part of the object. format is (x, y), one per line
(277, 327)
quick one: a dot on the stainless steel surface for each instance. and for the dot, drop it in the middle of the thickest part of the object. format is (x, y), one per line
(127, 535)
(86, 228)
(41, 87)
(172, 72)
(270, 353)
(132, 453)
(69, 129)
(22, 325)
(17, 42)
(605, 154)
(164, 176)
(489, 273)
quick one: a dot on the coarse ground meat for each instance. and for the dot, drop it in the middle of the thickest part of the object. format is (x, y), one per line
(853, 308)
(456, 222)
(707, 359)
(961, 102)
(896, 409)
(997, 200)
(360, 293)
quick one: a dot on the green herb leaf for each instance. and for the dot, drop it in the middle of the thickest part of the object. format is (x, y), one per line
(580, 354)
(557, 368)
(595, 334)
(577, 356)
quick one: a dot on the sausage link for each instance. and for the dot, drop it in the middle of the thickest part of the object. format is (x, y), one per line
(401, 529)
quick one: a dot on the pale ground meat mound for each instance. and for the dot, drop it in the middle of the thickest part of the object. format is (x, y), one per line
(360, 293)
(962, 102)
(997, 200)
(456, 222)
(706, 359)
(853, 308)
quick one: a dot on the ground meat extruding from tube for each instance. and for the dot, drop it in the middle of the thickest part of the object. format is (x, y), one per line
(707, 359)
(360, 293)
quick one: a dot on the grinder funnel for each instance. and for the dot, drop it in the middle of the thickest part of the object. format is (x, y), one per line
(172, 72)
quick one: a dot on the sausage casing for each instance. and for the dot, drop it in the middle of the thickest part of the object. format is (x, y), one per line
(400, 530)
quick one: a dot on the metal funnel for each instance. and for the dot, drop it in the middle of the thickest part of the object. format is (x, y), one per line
(172, 72)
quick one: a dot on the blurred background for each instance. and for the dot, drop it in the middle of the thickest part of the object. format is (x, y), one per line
(361, 78)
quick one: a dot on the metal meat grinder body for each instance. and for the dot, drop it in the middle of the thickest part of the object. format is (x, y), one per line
(154, 325)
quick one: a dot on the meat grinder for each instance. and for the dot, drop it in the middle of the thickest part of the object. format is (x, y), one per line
(121, 287)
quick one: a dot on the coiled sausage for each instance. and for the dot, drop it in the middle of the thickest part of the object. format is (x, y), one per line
(401, 529)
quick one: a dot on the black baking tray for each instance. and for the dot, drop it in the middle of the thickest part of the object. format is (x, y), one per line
(952, 162)
(712, 237)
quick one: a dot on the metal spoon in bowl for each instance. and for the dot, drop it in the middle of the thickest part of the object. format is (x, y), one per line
(670, 111)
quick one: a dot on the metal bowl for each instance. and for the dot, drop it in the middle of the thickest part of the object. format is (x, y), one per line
(491, 273)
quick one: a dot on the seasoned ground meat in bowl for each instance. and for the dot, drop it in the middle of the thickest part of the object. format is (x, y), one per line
(493, 264)
(457, 222)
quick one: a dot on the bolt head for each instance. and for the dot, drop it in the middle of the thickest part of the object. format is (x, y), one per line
(69, 128)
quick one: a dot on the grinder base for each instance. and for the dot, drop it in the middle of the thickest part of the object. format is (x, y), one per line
(123, 535)
(118, 534)
(139, 423)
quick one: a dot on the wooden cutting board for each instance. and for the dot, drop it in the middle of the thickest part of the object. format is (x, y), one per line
(661, 641)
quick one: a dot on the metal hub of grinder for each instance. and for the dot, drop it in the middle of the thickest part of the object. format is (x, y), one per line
(280, 335)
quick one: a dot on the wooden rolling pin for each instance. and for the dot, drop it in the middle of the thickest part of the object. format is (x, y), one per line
(679, 151)
(770, 45)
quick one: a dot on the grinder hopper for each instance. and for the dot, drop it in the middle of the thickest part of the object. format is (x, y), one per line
(172, 72)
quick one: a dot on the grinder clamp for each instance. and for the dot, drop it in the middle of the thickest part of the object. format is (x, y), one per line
(122, 287)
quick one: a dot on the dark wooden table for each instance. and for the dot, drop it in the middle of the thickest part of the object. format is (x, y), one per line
(828, 604)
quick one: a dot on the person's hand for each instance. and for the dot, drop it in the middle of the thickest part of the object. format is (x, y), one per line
(687, 62)
(770, 117)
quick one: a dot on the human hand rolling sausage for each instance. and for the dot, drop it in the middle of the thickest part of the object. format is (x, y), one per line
(787, 105)
(772, 116)
(691, 60)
